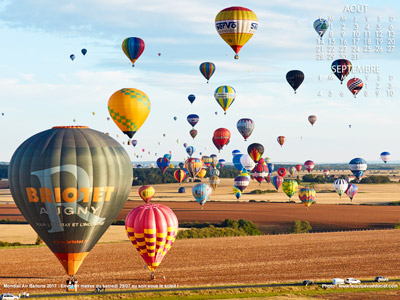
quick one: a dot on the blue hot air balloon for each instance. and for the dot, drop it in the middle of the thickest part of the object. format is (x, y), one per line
(202, 192)
(181, 165)
(191, 98)
(182, 190)
(190, 150)
(358, 166)
(270, 168)
(236, 162)
(235, 152)
(193, 119)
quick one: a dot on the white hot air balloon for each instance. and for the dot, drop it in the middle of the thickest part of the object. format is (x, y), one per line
(247, 162)
(340, 186)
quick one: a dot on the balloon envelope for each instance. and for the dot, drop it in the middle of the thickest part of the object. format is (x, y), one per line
(207, 69)
(321, 26)
(295, 78)
(146, 192)
(129, 109)
(152, 229)
(236, 25)
(385, 156)
(70, 183)
(307, 196)
(225, 96)
(341, 68)
(202, 193)
(133, 47)
(245, 127)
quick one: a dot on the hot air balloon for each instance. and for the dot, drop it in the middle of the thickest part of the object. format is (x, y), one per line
(214, 172)
(214, 161)
(270, 167)
(163, 163)
(355, 85)
(307, 196)
(193, 133)
(222, 162)
(255, 151)
(352, 191)
(134, 143)
(281, 140)
(277, 182)
(357, 167)
(70, 183)
(193, 119)
(179, 175)
(182, 190)
(326, 172)
(340, 186)
(292, 171)
(207, 69)
(194, 166)
(207, 161)
(298, 167)
(225, 96)
(221, 138)
(268, 178)
(235, 152)
(281, 172)
(146, 192)
(312, 119)
(309, 165)
(181, 164)
(267, 160)
(385, 156)
(236, 25)
(214, 181)
(202, 173)
(175, 118)
(190, 150)
(321, 26)
(185, 145)
(290, 187)
(201, 192)
(152, 229)
(166, 155)
(341, 68)
(260, 171)
(295, 78)
(133, 47)
(129, 109)
(247, 162)
(241, 182)
(72, 57)
(245, 127)
(84, 51)
(236, 162)
(237, 192)
(191, 98)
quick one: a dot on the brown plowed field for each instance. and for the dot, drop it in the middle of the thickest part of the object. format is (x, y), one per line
(261, 259)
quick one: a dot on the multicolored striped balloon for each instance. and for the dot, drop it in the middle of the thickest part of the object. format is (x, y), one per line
(292, 171)
(180, 175)
(133, 47)
(193, 166)
(237, 192)
(277, 182)
(307, 196)
(352, 191)
(207, 69)
(152, 229)
(236, 25)
(225, 95)
(341, 68)
(281, 140)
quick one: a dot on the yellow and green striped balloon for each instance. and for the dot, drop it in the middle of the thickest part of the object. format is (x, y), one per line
(290, 187)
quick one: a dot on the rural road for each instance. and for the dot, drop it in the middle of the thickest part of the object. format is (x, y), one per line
(190, 289)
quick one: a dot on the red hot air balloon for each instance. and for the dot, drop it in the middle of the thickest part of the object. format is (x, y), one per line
(179, 175)
(309, 165)
(152, 229)
(281, 140)
(355, 85)
(221, 138)
(298, 167)
(281, 172)
(193, 133)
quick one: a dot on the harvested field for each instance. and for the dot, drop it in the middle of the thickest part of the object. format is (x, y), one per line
(214, 261)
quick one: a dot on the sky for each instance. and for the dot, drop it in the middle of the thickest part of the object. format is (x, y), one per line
(41, 87)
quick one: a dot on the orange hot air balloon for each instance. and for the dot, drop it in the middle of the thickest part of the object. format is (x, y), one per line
(221, 138)
(146, 192)
(281, 140)
(152, 229)
(179, 175)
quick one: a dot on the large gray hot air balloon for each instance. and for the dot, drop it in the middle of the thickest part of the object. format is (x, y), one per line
(70, 183)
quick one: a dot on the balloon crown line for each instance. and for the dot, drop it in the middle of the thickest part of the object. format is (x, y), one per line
(79, 126)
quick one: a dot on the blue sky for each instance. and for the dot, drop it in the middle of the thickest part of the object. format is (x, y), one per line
(41, 87)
